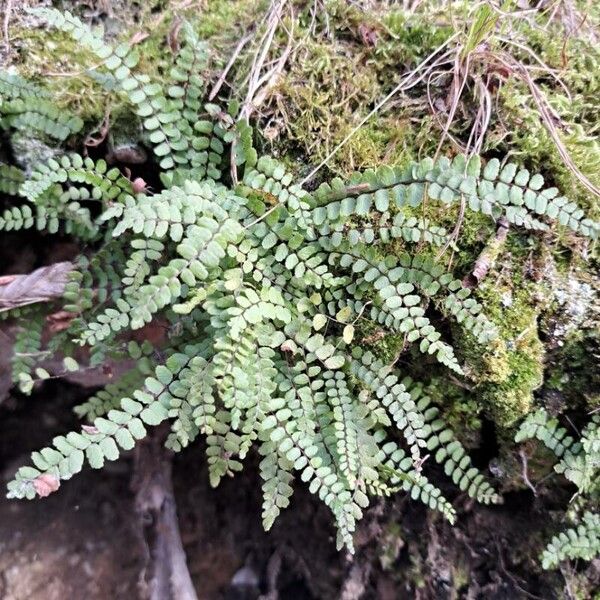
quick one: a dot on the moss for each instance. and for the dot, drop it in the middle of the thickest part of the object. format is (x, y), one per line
(539, 151)
(511, 368)
(53, 57)
(333, 81)
(371, 336)
(390, 543)
(219, 17)
(461, 577)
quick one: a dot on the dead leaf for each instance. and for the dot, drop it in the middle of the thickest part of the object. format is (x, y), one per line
(368, 35)
(59, 321)
(92, 140)
(46, 484)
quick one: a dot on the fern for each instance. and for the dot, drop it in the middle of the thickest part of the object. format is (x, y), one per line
(27, 347)
(582, 541)
(264, 284)
(25, 106)
(11, 179)
(579, 463)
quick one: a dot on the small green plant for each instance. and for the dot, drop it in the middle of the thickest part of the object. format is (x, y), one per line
(264, 287)
(580, 464)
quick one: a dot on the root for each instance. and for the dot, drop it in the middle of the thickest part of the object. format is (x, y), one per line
(165, 575)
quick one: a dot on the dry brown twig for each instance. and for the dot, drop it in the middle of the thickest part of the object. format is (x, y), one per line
(42, 285)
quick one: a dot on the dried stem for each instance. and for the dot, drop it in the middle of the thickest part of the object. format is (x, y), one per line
(5, 22)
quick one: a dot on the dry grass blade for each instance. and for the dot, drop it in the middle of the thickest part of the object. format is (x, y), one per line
(5, 22)
(548, 120)
(42, 285)
(234, 55)
(259, 81)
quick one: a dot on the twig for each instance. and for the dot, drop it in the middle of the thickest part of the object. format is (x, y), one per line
(458, 88)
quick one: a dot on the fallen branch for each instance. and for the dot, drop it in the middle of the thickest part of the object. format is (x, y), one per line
(42, 285)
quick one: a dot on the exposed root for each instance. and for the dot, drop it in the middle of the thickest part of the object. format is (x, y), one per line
(525, 472)
(165, 576)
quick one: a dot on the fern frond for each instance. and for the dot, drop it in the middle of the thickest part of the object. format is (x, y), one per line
(582, 541)
(36, 114)
(27, 348)
(14, 86)
(72, 172)
(275, 281)
(508, 192)
(541, 426)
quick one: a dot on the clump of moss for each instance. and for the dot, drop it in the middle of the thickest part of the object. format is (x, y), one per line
(52, 56)
(335, 78)
(390, 543)
(511, 368)
(385, 347)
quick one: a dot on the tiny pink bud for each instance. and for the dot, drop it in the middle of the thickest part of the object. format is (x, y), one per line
(46, 484)
(138, 185)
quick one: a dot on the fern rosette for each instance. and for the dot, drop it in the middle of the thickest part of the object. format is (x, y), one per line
(264, 286)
